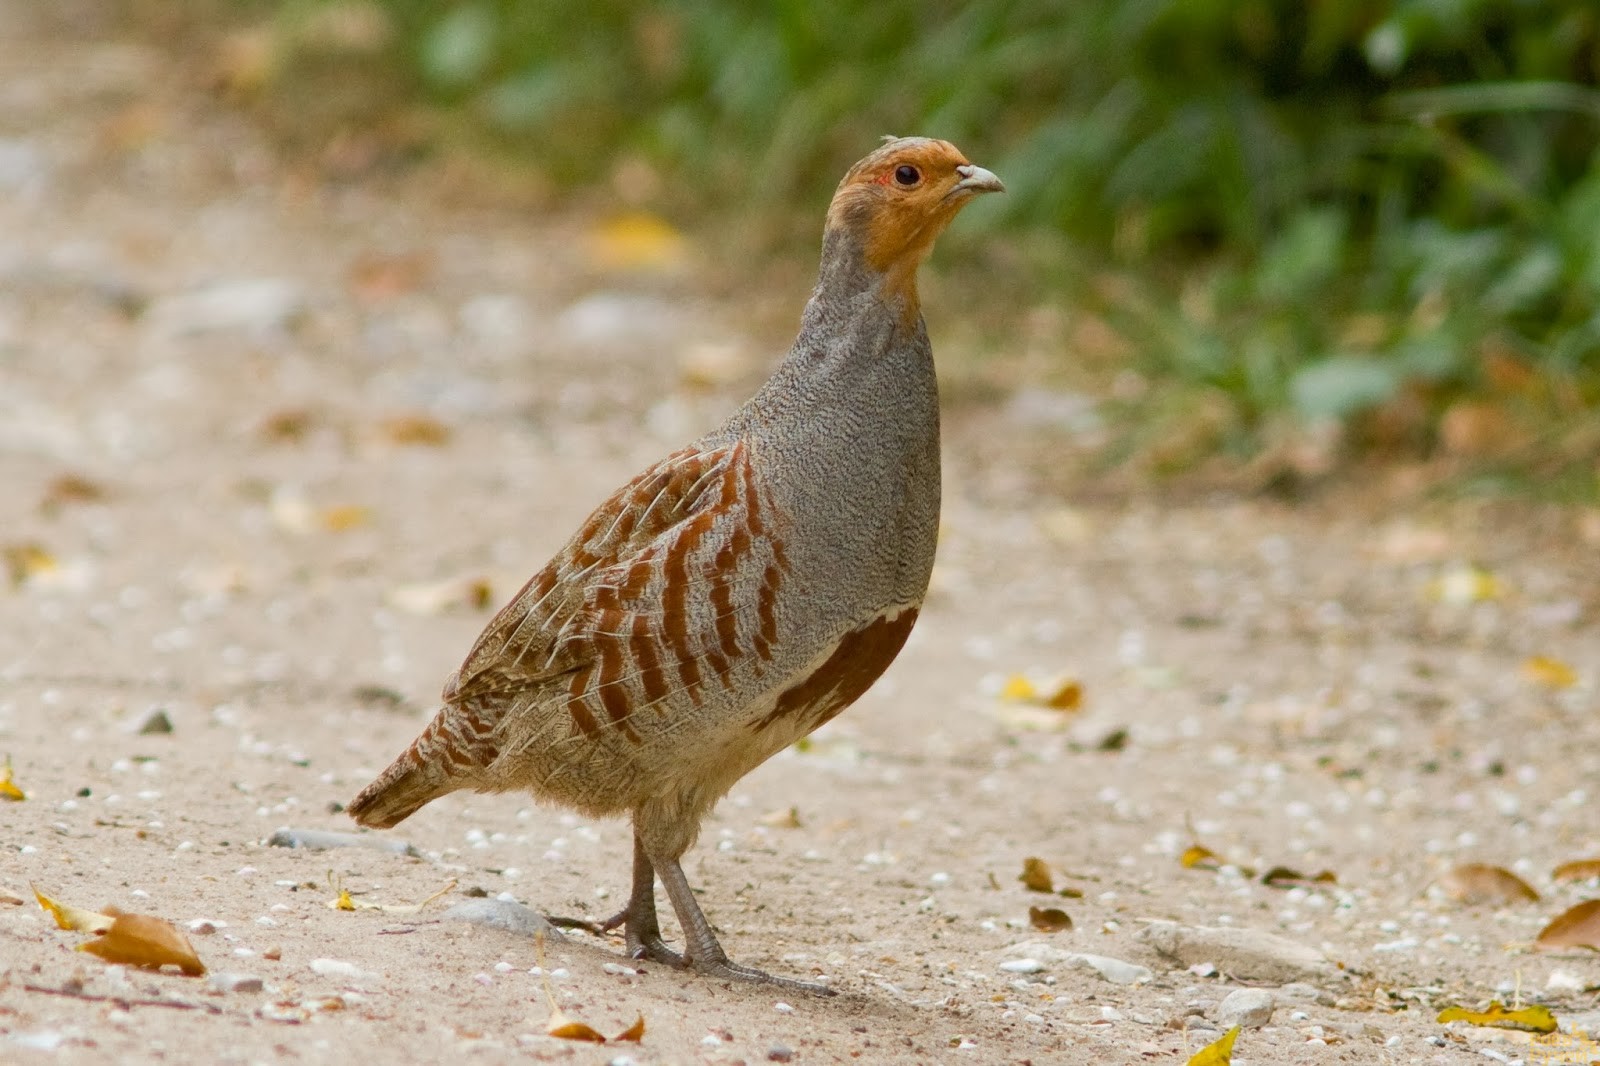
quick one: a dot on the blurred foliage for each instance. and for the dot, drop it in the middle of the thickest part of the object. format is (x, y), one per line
(1363, 211)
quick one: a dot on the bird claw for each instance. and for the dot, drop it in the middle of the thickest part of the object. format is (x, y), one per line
(722, 968)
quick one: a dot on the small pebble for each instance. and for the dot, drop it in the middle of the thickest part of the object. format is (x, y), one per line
(502, 914)
(234, 982)
(782, 1008)
(1022, 966)
(205, 926)
(1248, 1008)
(341, 968)
(779, 1053)
(503, 967)
(618, 968)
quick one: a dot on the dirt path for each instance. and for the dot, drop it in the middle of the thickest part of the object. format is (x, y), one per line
(313, 416)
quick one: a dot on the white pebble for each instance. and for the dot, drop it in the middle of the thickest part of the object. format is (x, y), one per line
(782, 1008)
(1022, 966)
(503, 967)
(618, 968)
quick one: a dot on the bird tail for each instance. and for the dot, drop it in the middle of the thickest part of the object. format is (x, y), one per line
(418, 777)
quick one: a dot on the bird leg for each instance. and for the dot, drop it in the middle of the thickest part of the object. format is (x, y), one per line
(641, 928)
(703, 953)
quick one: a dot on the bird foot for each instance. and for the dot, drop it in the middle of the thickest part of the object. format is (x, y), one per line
(722, 968)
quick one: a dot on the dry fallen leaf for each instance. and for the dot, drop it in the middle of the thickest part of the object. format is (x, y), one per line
(1463, 585)
(568, 1029)
(290, 425)
(1049, 919)
(1036, 875)
(1199, 857)
(1580, 870)
(1576, 927)
(73, 918)
(436, 597)
(1533, 1019)
(636, 241)
(1064, 695)
(1549, 672)
(1217, 1054)
(346, 516)
(633, 1033)
(1478, 882)
(344, 902)
(145, 941)
(8, 786)
(787, 818)
(70, 489)
(1287, 877)
(27, 561)
(417, 429)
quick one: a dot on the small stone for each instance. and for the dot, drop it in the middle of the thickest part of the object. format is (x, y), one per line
(780, 1053)
(502, 914)
(156, 722)
(1116, 971)
(1245, 954)
(1248, 1008)
(206, 926)
(1023, 966)
(224, 983)
(273, 953)
(618, 968)
(324, 839)
(257, 305)
(340, 968)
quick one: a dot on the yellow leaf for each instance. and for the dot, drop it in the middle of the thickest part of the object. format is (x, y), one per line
(568, 1029)
(1551, 673)
(633, 1033)
(27, 561)
(1049, 919)
(1464, 585)
(8, 787)
(1217, 1054)
(1581, 870)
(1478, 882)
(72, 917)
(416, 429)
(636, 241)
(140, 940)
(1198, 856)
(1576, 927)
(345, 903)
(344, 517)
(1533, 1019)
(1019, 690)
(1036, 875)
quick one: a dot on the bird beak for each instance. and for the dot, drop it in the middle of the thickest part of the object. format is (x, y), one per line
(976, 179)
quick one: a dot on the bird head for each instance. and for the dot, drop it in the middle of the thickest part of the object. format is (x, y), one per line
(896, 201)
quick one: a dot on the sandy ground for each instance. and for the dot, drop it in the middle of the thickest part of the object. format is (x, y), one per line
(273, 434)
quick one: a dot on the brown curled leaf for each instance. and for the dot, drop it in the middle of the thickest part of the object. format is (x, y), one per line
(1049, 919)
(145, 941)
(1576, 927)
(1479, 882)
(1036, 876)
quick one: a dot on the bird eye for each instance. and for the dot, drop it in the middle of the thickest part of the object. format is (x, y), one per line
(907, 175)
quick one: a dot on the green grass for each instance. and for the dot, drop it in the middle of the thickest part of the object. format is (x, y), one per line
(1357, 211)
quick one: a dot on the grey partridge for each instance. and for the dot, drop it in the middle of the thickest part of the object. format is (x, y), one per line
(737, 594)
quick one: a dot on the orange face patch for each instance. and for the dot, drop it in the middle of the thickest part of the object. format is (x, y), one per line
(898, 200)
